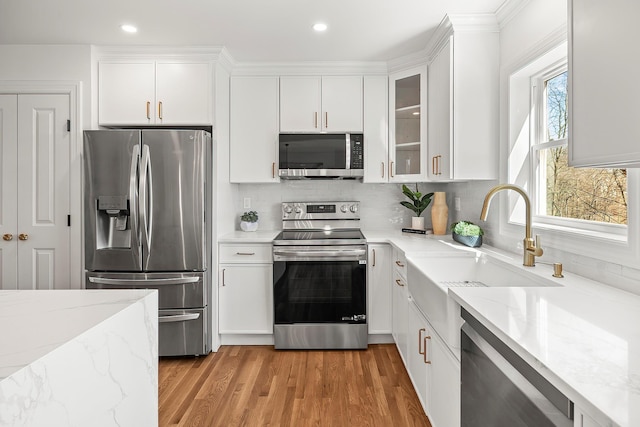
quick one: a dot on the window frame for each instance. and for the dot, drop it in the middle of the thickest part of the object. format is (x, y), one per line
(585, 250)
(537, 171)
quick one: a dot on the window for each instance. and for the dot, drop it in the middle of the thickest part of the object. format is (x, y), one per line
(579, 198)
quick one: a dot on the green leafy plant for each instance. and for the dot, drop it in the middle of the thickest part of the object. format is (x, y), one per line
(419, 202)
(466, 228)
(251, 216)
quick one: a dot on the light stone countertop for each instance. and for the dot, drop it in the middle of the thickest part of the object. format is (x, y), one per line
(78, 358)
(584, 336)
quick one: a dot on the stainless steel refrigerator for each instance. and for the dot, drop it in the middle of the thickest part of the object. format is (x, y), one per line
(147, 224)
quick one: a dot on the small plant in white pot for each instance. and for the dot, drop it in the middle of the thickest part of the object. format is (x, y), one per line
(418, 204)
(249, 221)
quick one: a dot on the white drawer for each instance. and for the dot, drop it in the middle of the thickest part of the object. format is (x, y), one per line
(255, 253)
(400, 263)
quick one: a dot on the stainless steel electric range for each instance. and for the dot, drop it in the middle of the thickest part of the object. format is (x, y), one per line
(319, 277)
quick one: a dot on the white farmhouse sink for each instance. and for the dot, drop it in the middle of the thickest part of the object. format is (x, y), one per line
(431, 276)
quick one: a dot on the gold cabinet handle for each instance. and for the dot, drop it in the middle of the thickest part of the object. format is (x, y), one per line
(245, 253)
(382, 163)
(148, 110)
(7, 237)
(421, 341)
(391, 169)
(326, 120)
(399, 282)
(433, 165)
(439, 157)
(273, 169)
(223, 284)
(424, 355)
(374, 257)
(160, 110)
(23, 236)
(399, 264)
(315, 119)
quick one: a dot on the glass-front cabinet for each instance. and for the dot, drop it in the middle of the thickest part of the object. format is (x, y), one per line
(407, 123)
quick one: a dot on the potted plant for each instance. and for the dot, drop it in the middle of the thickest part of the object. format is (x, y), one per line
(249, 221)
(467, 233)
(418, 204)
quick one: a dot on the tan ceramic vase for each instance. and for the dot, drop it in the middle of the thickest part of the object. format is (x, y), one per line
(439, 213)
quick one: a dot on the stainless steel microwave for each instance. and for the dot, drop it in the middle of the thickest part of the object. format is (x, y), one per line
(321, 156)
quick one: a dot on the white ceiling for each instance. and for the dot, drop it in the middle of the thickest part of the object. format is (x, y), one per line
(251, 30)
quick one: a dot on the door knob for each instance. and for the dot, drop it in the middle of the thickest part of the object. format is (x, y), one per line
(7, 237)
(23, 236)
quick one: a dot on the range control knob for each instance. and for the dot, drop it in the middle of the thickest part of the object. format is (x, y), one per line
(354, 208)
(344, 208)
(288, 209)
(298, 209)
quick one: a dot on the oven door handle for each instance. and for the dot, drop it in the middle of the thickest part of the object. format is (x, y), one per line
(292, 254)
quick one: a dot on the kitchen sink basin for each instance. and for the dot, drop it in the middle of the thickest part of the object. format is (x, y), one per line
(430, 277)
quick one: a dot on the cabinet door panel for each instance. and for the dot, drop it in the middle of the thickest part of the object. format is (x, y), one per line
(376, 129)
(245, 299)
(379, 289)
(419, 342)
(300, 109)
(440, 114)
(399, 314)
(183, 91)
(444, 396)
(254, 129)
(342, 104)
(126, 93)
(603, 122)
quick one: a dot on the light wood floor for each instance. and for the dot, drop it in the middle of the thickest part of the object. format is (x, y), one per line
(259, 386)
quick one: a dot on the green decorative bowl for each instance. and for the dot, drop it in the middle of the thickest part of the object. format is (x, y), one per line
(471, 241)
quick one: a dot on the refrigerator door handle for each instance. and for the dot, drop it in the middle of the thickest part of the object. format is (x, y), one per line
(178, 318)
(146, 201)
(133, 198)
(148, 282)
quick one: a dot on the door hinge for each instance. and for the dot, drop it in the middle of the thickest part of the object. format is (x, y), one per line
(68, 125)
(68, 220)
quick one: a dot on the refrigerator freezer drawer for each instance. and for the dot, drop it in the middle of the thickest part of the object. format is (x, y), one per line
(175, 290)
(182, 332)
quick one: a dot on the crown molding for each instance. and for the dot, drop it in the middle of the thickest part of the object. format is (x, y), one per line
(205, 53)
(311, 68)
(508, 10)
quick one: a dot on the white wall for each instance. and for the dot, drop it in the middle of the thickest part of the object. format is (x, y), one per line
(69, 63)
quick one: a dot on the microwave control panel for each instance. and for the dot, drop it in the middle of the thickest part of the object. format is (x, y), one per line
(357, 151)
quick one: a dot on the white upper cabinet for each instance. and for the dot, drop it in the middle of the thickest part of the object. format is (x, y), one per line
(463, 107)
(254, 129)
(407, 125)
(321, 104)
(376, 129)
(603, 87)
(151, 92)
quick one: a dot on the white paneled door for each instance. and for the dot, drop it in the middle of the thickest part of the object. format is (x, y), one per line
(35, 186)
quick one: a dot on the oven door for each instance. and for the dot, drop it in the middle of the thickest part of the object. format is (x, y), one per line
(321, 284)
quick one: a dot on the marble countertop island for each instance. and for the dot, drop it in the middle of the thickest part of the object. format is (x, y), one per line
(78, 357)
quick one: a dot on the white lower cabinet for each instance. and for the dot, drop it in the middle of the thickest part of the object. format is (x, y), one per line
(399, 314)
(379, 319)
(433, 369)
(580, 419)
(245, 298)
(418, 360)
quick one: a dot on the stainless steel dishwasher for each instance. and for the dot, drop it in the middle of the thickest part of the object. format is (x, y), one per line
(500, 389)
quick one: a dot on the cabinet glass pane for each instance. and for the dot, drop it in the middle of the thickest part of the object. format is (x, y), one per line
(407, 125)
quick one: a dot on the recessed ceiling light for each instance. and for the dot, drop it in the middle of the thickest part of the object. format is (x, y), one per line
(319, 27)
(128, 28)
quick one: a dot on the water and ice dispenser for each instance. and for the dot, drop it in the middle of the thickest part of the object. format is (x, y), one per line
(113, 226)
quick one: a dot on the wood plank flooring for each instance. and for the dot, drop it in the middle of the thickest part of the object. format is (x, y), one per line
(259, 386)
